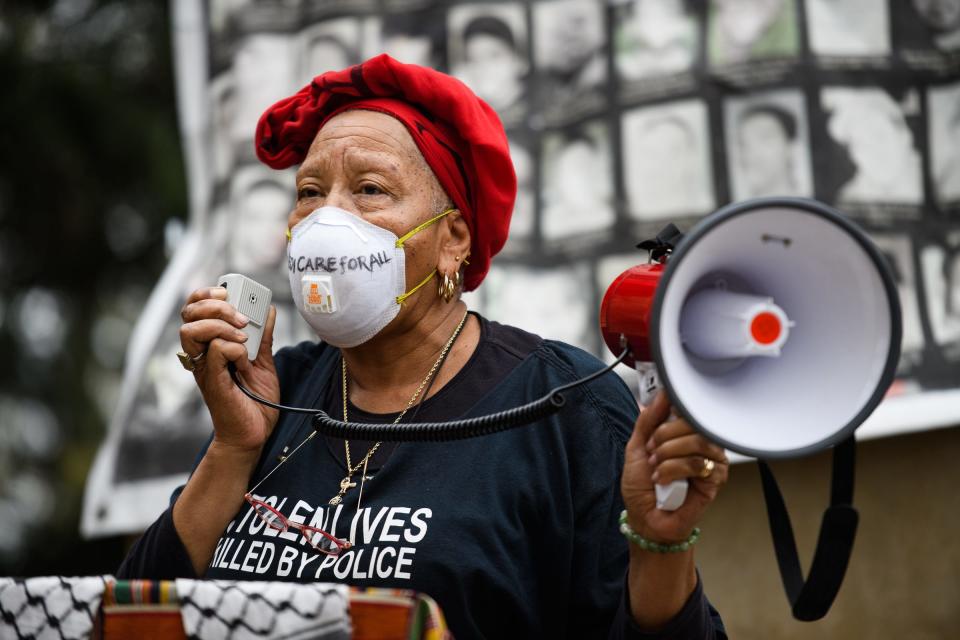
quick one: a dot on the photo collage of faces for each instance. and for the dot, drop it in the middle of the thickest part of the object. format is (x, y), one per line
(628, 114)
(622, 116)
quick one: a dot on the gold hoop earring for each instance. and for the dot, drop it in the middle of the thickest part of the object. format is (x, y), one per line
(447, 289)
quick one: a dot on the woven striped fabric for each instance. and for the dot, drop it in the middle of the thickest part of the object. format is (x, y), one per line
(120, 592)
(434, 626)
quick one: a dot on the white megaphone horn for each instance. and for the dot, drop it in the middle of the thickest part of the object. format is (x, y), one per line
(774, 327)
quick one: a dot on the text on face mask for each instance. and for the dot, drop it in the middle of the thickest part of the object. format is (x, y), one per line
(341, 264)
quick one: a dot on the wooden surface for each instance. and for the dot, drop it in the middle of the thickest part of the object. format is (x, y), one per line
(371, 621)
(143, 623)
(374, 621)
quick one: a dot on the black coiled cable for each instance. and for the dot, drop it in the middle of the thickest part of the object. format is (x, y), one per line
(436, 431)
(440, 431)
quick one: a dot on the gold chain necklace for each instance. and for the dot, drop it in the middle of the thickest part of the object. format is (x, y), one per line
(347, 484)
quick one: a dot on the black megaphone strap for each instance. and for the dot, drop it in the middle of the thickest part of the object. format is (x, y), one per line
(810, 599)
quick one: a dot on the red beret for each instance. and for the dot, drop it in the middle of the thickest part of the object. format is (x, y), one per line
(459, 135)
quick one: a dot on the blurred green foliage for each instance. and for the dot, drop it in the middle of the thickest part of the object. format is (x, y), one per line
(91, 176)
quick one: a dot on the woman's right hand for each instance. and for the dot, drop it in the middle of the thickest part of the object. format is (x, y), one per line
(212, 326)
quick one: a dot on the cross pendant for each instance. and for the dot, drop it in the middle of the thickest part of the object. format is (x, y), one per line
(345, 485)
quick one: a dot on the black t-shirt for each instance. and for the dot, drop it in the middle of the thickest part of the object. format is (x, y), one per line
(514, 534)
(501, 348)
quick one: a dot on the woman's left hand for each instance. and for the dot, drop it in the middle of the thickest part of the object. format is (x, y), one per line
(663, 449)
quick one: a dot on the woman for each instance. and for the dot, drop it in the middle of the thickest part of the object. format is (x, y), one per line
(513, 534)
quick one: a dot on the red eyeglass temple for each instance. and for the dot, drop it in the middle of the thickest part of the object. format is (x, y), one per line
(302, 528)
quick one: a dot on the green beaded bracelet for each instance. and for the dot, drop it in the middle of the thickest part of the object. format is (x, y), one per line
(655, 547)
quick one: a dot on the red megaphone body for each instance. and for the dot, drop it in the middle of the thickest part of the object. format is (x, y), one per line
(626, 309)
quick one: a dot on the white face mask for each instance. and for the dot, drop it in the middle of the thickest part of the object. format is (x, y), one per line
(347, 275)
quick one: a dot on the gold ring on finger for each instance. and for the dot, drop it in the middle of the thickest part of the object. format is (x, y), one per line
(708, 466)
(188, 361)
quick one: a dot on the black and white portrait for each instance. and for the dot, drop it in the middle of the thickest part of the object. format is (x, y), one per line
(328, 46)
(577, 186)
(943, 118)
(941, 279)
(667, 167)
(873, 130)
(264, 67)
(414, 37)
(746, 30)
(246, 16)
(768, 145)
(488, 51)
(942, 20)
(655, 37)
(570, 46)
(554, 301)
(898, 251)
(848, 27)
(260, 201)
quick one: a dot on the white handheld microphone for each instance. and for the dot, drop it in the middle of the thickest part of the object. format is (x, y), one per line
(252, 299)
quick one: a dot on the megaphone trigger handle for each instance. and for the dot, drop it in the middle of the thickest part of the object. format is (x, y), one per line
(649, 382)
(671, 496)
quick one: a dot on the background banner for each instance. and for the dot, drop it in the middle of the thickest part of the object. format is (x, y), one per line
(622, 116)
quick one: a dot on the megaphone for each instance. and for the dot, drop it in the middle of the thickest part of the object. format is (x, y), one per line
(774, 327)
